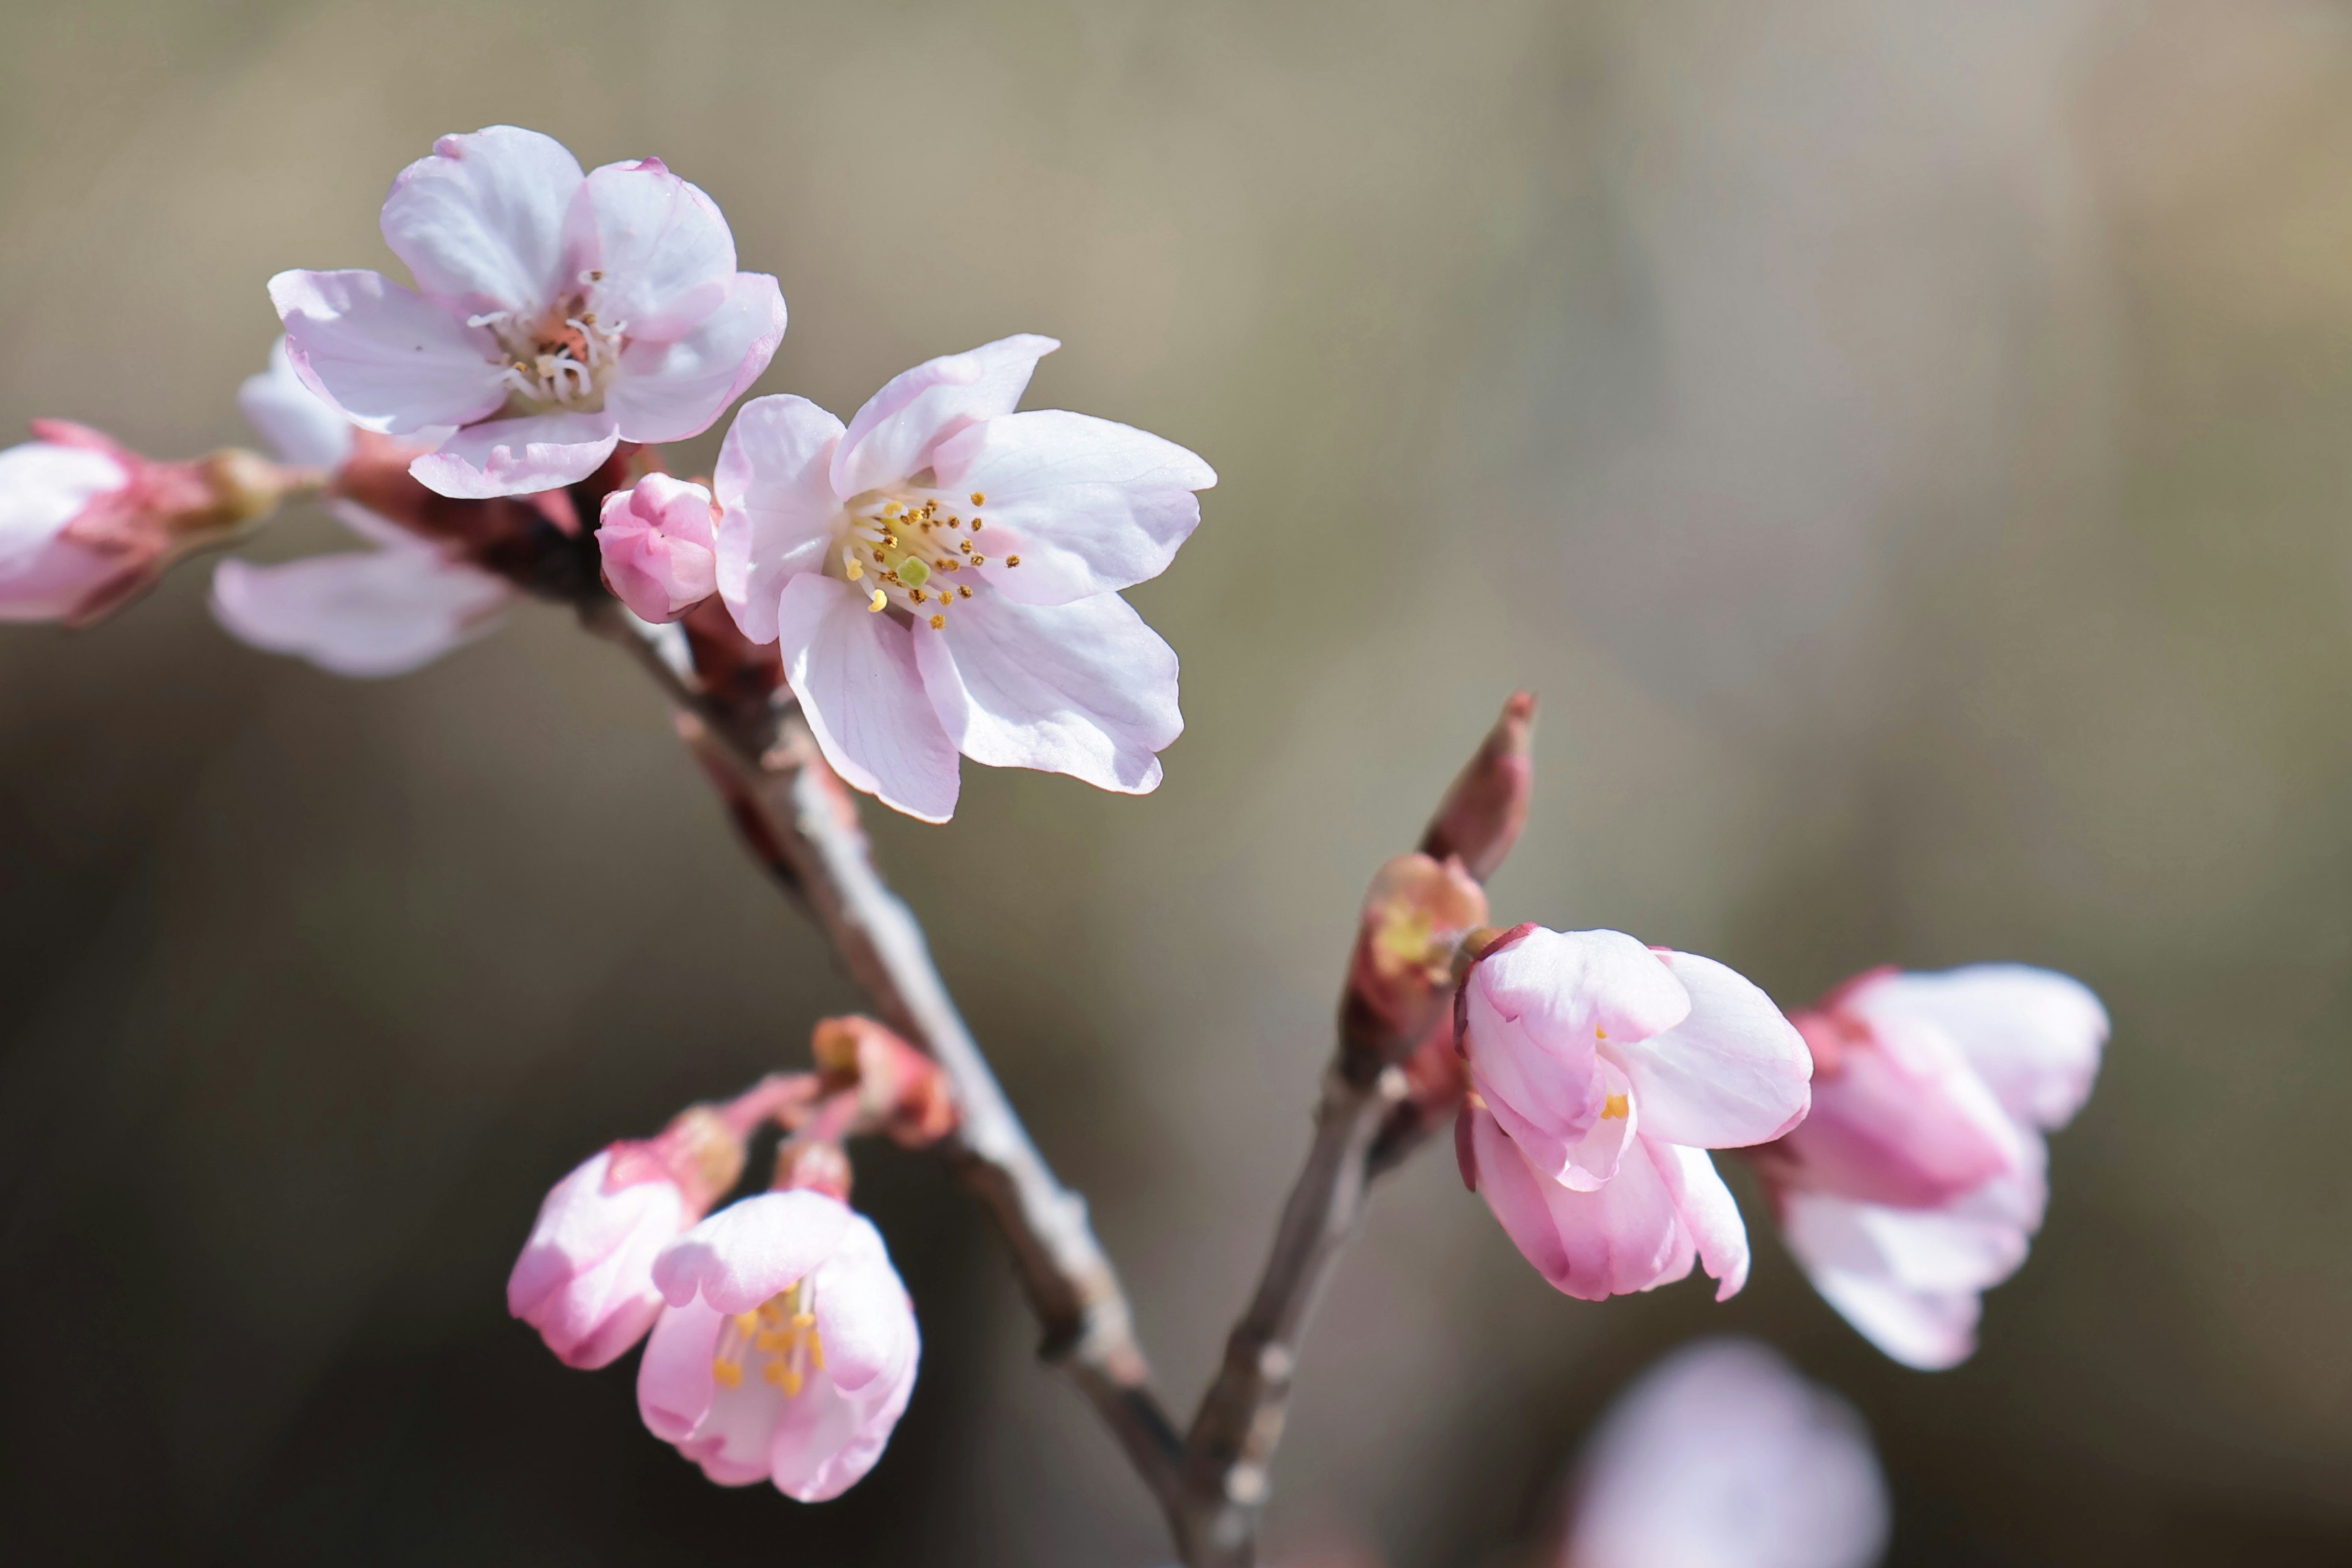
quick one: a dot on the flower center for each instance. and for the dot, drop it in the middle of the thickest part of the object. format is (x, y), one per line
(562, 360)
(779, 1340)
(913, 551)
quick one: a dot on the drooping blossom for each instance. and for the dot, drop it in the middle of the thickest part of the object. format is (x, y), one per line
(555, 314)
(943, 577)
(788, 1349)
(1601, 1072)
(655, 539)
(365, 613)
(86, 522)
(1721, 1456)
(1920, 1178)
(585, 1280)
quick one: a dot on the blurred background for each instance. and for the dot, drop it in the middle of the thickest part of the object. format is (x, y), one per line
(1904, 443)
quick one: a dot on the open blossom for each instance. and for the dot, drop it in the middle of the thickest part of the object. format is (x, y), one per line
(365, 613)
(1920, 1177)
(585, 1276)
(555, 314)
(788, 1349)
(1601, 1073)
(1721, 1456)
(656, 539)
(942, 576)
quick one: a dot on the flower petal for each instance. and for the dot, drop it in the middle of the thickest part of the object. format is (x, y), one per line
(674, 1381)
(749, 1250)
(1903, 1121)
(1568, 989)
(1707, 1213)
(1088, 506)
(1084, 689)
(777, 510)
(1733, 1073)
(481, 223)
(2034, 1036)
(44, 486)
(301, 428)
(390, 359)
(670, 389)
(893, 436)
(862, 694)
(665, 251)
(517, 457)
(1626, 1236)
(863, 1312)
(361, 613)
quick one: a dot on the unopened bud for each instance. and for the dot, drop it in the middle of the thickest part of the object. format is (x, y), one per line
(1488, 805)
(815, 1165)
(901, 1090)
(1413, 920)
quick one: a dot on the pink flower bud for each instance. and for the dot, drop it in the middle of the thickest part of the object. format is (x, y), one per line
(788, 1348)
(900, 1091)
(1487, 805)
(85, 523)
(658, 541)
(1401, 976)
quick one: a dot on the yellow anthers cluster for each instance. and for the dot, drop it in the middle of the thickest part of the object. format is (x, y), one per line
(902, 545)
(781, 1336)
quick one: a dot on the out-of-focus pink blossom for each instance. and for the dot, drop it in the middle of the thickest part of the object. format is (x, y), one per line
(584, 1279)
(1601, 1072)
(365, 613)
(555, 314)
(942, 576)
(1721, 1456)
(788, 1349)
(656, 540)
(85, 523)
(1918, 1180)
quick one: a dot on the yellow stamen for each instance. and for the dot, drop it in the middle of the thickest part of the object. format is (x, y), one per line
(857, 570)
(728, 1375)
(938, 623)
(877, 601)
(1617, 1108)
(1012, 561)
(978, 498)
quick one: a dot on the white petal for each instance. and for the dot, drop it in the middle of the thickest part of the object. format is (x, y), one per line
(778, 512)
(892, 437)
(2033, 1035)
(667, 256)
(855, 673)
(480, 222)
(1707, 1212)
(44, 486)
(365, 613)
(1733, 1073)
(670, 390)
(301, 426)
(1090, 505)
(517, 457)
(389, 359)
(1085, 689)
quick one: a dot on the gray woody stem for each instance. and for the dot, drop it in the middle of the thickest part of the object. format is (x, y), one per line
(803, 823)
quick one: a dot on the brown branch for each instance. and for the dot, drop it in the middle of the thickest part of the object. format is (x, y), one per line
(802, 822)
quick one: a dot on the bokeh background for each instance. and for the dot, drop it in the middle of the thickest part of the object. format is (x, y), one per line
(1904, 443)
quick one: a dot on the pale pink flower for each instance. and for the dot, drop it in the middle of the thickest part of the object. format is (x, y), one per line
(367, 612)
(1601, 1073)
(656, 540)
(788, 1349)
(555, 314)
(1721, 1456)
(1920, 1178)
(942, 576)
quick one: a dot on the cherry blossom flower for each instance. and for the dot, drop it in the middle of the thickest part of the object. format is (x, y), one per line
(555, 314)
(655, 539)
(1601, 1073)
(85, 523)
(1720, 1456)
(943, 577)
(585, 1276)
(788, 1349)
(369, 612)
(1920, 1178)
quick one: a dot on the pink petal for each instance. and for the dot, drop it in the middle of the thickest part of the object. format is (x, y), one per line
(1733, 1073)
(1569, 989)
(44, 486)
(666, 253)
(1722, 1456)
(892, 437)
(1707, 1213)
(862, 1309)
(823, 1451)
(862, 694)
(674, 1382)
(481, 222)
(1903, 1121)
(1088, 506)
(301, 426)
(1084, 689)
(750, 1250)
(2033, 1036)
(366, 614)
(1551, 1104)
(670, 389)
(55, 583)
(1624, 1238)
(390, 359)
(778, 512)
(656, 542)
(517, 457)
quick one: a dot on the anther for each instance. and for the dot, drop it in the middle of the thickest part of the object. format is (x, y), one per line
(975, 524)
(877, 601)
(978, 498)
(1012, 561)
(856, 569)
(938, 623)
(964, 545)
(962, 592)
(916, 594)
